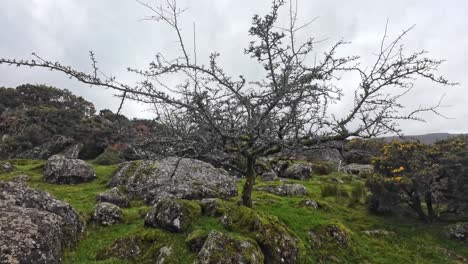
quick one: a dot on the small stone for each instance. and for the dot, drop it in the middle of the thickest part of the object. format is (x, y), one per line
(458, 232)
(378, 232)
(309, 203)
(6, 166)
(22, 178)
(107, 214)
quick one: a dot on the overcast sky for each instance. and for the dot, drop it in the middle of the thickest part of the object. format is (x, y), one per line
(65, 30)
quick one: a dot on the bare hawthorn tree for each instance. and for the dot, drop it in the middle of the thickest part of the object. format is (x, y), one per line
(285, 107)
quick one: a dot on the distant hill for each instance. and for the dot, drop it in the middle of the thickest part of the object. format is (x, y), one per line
(426, 138)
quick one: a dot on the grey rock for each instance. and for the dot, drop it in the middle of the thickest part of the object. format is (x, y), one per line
(113, 196)
(6, 166)
(73, 151)
(269, 176)
(163, 253)
(358, 169)
(280, 167)
(34, 225)
(378, 233)
(309, 203)
(107, 214)
(358, 156)
(298, 171)
(54, 146)
(173, 215)
(174, 178)
(293, 189)
(458, 231)
(60, 170)
(21, 178)
(127, 248)
(137, 153)
(223, 248)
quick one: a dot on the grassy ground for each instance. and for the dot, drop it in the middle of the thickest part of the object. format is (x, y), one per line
(412, 242)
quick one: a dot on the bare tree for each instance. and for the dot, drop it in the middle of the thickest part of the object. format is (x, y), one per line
(287, 106)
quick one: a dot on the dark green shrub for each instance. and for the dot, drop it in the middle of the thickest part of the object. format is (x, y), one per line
(108, 157)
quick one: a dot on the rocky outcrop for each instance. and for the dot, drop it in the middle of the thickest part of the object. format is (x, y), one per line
(174, 178)
(173, 215)
(60, 170)
(34, 225)
(56, 145)
(113, 196)
(274, 238)
(107, 214)
(224, 248)
(298, 171)
(294, 189)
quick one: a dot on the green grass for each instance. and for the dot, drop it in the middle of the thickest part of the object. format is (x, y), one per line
(413, 242)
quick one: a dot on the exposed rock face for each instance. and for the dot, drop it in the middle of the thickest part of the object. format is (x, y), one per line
(60, 170)
(113, 196)
(107, 214)
(6, 166)
(274, 238)
(174, 178)
(269, 176)
(73, 151)
(223, 248)
(46, 150)
(358, 156)
(298, 171)
(173, 215)
(458, 232)
(286, 189)
(358, 169)
(34, 225)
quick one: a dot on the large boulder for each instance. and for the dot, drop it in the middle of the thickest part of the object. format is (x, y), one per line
(73, 151)
(107, 214)
(113, 196)
(298, 171)
(172, 177)
(224, 248)
(61, 170)
(285, 189)
(277, 242)
(173, 215)
(34, 225)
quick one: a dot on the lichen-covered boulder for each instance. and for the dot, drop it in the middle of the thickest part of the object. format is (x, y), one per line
(458, 231)
(269, 176)
(61, 170)
(173, 215)
(107, 214)
(298, 171)
(330, 235)
(293, 189)
(277, 242)
(180, 178)
(34, 225)
(224, 248)
(113, 196)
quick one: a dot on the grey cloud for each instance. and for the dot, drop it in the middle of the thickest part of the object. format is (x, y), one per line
(66, 30)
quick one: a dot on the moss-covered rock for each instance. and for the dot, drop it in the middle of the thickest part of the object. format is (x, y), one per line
(173, 215)
(196, 239)
(127, 248)
(278, 243)
(330, 236)
(224, 248)
(212, 207)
